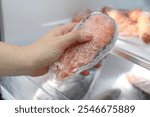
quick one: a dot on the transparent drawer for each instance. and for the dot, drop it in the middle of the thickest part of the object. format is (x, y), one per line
(19, 88)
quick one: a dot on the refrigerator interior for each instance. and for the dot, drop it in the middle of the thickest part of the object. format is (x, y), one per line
(26, 21)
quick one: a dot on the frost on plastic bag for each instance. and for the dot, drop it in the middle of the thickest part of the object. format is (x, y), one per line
(64, 75)
(79, 57)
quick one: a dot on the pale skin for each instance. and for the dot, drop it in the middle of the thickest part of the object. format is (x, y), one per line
(34, 59)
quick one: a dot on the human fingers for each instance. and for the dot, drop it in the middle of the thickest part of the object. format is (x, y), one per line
(74, 37)
(63, 29)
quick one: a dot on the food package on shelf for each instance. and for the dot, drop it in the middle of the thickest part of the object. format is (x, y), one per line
(134, 25)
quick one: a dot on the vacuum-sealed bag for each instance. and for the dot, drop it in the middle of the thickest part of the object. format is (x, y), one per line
(64, 75)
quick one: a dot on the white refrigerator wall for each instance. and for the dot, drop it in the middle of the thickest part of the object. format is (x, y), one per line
(25, 21)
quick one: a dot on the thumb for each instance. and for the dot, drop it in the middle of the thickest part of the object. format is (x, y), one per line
(75, 37)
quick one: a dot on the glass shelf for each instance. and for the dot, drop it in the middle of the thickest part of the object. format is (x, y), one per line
(133, 52)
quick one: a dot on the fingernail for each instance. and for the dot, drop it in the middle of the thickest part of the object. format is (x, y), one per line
(85, 73)
(97, 65)
(87, 35)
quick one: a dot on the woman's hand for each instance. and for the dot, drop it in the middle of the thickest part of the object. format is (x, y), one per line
(51, 46)
(35, 59)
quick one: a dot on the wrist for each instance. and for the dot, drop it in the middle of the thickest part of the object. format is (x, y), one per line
(35, 55)
(27, 56)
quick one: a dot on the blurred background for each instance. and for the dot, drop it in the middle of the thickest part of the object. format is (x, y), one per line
(23, 22)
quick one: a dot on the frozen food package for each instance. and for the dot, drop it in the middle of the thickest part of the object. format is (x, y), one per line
(140, 83)
(133, 24)
(140, 78)
(143, 24)
(65, 74)
(144, 27)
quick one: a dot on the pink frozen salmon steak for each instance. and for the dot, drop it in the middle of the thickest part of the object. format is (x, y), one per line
(103, 28)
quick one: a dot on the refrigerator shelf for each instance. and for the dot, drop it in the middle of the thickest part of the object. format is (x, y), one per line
(134, 53)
